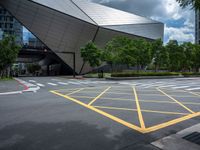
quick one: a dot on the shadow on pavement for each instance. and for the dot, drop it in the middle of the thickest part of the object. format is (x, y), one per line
(67, 136)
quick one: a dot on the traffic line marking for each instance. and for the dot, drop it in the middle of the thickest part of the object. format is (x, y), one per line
(139, 110)
(75, 91)
(143, 101)
(142, 128)
(39, 84)
(62, 83)
(143, 110)
(99, 96)
(172, 122)
(127, 124)
(52, 84)
(176, 101)
(193, 89)
(180, 87)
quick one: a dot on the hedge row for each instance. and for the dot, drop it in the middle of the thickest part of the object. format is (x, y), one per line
(138, 74)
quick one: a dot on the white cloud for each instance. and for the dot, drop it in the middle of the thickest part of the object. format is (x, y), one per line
(183, 34)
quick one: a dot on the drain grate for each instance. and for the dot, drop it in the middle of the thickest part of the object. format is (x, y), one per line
(193, 137)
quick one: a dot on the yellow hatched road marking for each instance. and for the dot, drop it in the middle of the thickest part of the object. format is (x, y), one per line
(143, 110)
(139, 109)
(101, 112)
(176, 101)
(75, 91)
(144, 101)
(99, 96)
(172, 122)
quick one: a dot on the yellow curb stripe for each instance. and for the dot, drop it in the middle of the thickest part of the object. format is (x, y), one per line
(98, 96)
(151, 111)
(172, 122)
(176, 101)
(139, 109)
(129, 125)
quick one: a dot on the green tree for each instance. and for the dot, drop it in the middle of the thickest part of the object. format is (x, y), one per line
(194, 3)
(91, 54)
(176, 55)
(142, 53)
(8, 53)
(196, 57)
(160, 54)
(188, 56)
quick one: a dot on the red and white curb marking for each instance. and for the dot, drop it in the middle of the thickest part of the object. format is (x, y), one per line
(28, 87)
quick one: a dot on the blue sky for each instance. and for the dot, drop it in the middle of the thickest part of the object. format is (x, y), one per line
(179, 23)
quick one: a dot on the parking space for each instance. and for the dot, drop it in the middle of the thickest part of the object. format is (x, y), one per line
(138, 108)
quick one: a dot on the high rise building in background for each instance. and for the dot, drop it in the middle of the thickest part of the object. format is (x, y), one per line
(9, 25)
(197, 27)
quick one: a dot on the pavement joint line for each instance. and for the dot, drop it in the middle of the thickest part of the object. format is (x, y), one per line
(96, 98)
(142, 124)
(171, 122)
(75, 91)
(116, 119)
(143, 110)
(145, 101)
(176, 101)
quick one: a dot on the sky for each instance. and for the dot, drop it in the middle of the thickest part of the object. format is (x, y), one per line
(179, 23)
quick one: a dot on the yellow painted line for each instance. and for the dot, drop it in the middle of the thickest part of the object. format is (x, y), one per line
(151, 111)
(139, 110)
(75, 91)
(129, 125)
(143, 101)
(99, 96)
(172, 122)
(176, 101)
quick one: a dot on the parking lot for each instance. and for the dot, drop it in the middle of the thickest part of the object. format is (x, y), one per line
(95, 114)
(141, 109)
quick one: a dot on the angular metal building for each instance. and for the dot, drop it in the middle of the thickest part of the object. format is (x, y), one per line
(66, 25)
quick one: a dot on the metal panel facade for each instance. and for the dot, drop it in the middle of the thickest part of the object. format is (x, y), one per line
(66, 25)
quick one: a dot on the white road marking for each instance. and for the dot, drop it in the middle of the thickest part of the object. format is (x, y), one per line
(167, 86)
(55, 79)
(32, 81)
(10, 93)
(180, 87)
(63, 83)
(191, 89)
(74, 83)
(52, 84)
(39, 84)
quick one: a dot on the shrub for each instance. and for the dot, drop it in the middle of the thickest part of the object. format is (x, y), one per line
(138, 74)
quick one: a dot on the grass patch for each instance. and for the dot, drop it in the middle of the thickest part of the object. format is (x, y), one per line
(6, 79)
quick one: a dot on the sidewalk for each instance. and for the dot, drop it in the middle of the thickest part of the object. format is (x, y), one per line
(186, 139)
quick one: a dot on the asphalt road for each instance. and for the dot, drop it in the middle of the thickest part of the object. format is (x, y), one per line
(96, 114)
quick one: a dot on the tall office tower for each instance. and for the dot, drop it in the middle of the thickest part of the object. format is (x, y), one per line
(197, 27)
(9, 25)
